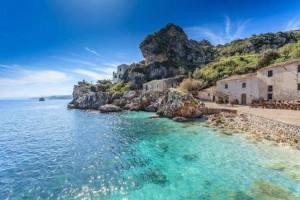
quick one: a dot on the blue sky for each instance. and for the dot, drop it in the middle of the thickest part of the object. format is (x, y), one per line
(46, 46)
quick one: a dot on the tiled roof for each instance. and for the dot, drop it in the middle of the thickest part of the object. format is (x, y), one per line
(297, 61)
(240, 77)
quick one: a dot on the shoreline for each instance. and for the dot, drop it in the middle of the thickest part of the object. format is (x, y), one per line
(255, 126)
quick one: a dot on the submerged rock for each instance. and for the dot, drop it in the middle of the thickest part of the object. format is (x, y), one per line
(179, 119)
(109, 108)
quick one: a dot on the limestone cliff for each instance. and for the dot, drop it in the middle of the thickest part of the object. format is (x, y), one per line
(172, 44)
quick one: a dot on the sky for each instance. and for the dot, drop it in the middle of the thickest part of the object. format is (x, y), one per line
(47, 46)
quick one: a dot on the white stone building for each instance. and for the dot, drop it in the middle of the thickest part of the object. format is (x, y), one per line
(275, 82)
(208, 94)
(117, 76)
(280, 81)
(162, 85)
(241, 89)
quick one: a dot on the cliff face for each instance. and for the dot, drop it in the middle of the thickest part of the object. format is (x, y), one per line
(171, 44)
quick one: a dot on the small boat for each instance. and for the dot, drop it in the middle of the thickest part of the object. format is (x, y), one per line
(42, 99)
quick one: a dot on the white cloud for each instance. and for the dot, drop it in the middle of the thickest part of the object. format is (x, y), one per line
(91, 74)
(30, 83)
(93, 52)
(229, 32)
(293, 24)
(28, 77)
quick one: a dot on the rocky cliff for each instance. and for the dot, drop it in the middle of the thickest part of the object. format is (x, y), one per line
(172, 44)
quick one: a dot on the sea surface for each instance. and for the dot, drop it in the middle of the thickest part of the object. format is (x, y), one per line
(50, 152)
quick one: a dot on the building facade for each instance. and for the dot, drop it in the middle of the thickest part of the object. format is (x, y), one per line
(241, 89)
(162, 84)
(117, 76)
(275, 82)
(208, 94)
(280, 81)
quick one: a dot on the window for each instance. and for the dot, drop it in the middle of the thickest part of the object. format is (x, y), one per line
(244, 85)
(298, 86)
(270, 96)
(208, 94)
(270, 73)
(120, 69)
(270, 88)
(226, 86)
(298, 68)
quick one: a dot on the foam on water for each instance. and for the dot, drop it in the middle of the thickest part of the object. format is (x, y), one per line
(48, 151)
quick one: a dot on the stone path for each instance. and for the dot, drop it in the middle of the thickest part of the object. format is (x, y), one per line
(290, 117)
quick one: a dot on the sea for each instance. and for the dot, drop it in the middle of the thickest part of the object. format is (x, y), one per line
(50, 152)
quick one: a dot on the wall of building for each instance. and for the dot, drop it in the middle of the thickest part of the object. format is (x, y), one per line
(207, 94)
(235, 90)
(284, 81)
(117, 76)
(160, 85)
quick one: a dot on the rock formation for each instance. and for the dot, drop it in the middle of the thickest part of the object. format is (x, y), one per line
(171, 44)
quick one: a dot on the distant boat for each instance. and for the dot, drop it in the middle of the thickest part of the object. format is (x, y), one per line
(42, 99)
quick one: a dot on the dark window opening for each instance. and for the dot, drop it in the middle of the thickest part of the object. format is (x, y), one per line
(270, 88)
(244, 85)
(226, 86)
(270, 73)
(120, 69)
(208, 94)
(298, 86)
(270, 96)
(298, 68)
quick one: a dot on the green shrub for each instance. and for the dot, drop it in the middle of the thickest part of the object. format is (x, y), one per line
(268, 57)
(119, 88)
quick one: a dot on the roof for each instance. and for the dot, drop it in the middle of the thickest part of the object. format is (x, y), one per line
(297, 61)
(176, 78)
(210, 89)
(240, 77)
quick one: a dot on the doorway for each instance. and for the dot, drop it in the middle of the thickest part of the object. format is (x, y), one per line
(244, 99)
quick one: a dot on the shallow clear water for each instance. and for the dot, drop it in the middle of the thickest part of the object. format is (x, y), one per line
(47, 151)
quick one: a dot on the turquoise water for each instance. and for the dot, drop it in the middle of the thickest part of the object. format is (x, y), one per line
(49, 152)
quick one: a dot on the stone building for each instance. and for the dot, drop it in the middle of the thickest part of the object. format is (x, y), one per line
(117, 76)
(280, 81)
(208, 94)
(162, 84)
(241, 89)
(275, 82)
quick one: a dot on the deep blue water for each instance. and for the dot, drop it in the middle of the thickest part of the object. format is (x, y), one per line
(50, 152)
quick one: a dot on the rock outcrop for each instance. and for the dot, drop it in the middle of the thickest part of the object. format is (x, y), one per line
(109, 108)
(84, 98)
(180, 104)
(171, 44)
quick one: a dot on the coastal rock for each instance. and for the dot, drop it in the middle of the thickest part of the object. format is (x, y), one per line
(179, 119)
(109, 108)
(91, 100)
(152, 107)
(129, 95)
(180, 104)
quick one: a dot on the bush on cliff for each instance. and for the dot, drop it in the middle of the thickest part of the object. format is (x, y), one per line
(119, 88)
(190, 84)
(103, 85)
(268, 57)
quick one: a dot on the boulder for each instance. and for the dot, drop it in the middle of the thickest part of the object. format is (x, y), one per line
(180, 104)
(179, 119)
(109, 108)
(152, 107)
(129, 95)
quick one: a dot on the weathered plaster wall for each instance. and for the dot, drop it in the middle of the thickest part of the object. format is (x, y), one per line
(235, 89)
(160, 85)
(284, 81)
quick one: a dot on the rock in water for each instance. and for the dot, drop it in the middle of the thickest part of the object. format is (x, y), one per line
(180, 104)
(179, 119)
(109, 108)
